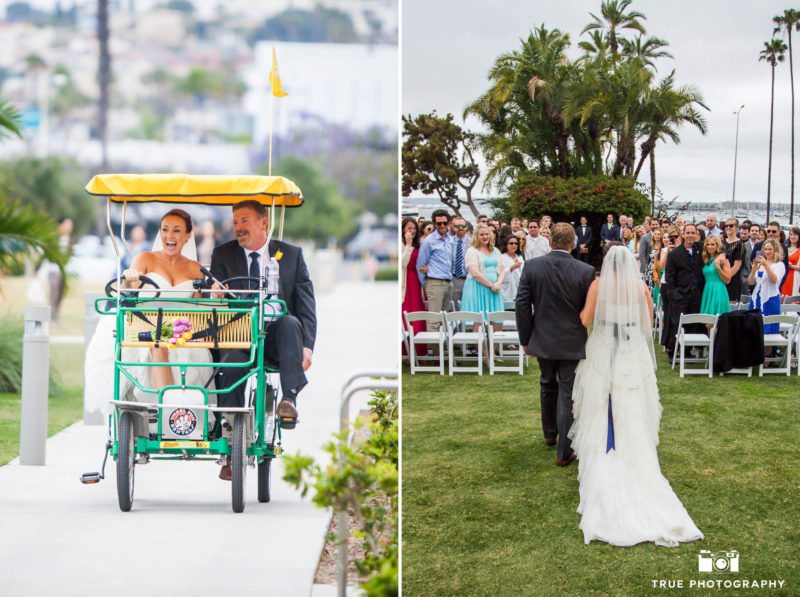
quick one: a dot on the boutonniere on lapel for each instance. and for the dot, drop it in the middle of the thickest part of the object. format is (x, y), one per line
(278, 255)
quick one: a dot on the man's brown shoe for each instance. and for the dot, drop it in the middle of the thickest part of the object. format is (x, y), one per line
(568, 461)
(225, 473)
(550, 441)
(287, 414)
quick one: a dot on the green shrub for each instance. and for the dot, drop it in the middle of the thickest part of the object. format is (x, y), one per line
(567, 198)
(363, 479)
(11, 331)
(387, 274)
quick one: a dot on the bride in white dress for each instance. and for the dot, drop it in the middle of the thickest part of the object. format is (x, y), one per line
(624, 498)
(172, 265)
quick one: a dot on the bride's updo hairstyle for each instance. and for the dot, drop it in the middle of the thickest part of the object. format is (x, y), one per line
(187, 219)
(562, 237)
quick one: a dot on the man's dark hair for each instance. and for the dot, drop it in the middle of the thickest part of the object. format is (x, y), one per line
(746, 223)
(440, 213)
(257, 207)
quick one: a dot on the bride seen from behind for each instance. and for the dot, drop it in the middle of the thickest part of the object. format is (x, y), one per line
(624, 498)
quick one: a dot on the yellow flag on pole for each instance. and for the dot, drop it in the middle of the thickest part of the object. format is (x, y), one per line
(275, 77)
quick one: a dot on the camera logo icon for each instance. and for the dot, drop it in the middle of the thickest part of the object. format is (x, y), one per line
(720, 562)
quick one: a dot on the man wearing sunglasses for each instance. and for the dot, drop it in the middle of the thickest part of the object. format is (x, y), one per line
(434, 266)
(460, 246)
(773, 231)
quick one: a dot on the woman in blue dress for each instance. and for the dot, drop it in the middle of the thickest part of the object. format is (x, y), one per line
(717, 274)
(766, 274)
(485, 274)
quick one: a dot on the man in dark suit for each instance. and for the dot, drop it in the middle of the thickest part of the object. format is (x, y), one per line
(552, 292)
(684, 281)
(584, 234)
(609, 231)
(289, 341)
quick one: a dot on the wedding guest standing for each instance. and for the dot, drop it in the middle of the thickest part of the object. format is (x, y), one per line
(537, 245)
(733, 248)
(684, 279)
(410, 287)
(485, 275)
(435, 266)
(584, 234)
(717, 273)
(609, 231)
(791, 286)
(766, 273)
(652, 271)
(460, 246)
(512, 262)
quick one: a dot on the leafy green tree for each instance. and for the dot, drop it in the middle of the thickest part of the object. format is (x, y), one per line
(50, 185)
(320, 25)
(789, 20)
(772, 54)
(615, 18)
(23, 229)
(438, 158)
(201, 83)
(325, 214)
(645, 50)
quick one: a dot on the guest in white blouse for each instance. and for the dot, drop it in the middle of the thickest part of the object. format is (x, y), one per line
(513, 265)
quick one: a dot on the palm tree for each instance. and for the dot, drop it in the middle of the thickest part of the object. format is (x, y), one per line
(10, 121)
(615, 18)
(23, 228)
(772, 54)
(645, 50)
(665, 109)
(786, 22)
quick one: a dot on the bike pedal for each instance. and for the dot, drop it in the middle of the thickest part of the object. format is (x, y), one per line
(288, 422)
(90, 478)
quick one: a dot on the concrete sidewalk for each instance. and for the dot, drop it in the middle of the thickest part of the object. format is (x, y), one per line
(59, 537)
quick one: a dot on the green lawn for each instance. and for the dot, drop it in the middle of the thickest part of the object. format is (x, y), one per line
(66, 407)
(487, 512)
(62, 410)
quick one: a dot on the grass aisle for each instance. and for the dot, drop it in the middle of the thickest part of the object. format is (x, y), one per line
(487, 512)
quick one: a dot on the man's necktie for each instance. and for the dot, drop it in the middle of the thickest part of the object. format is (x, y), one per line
(255, 271)
(459, 260)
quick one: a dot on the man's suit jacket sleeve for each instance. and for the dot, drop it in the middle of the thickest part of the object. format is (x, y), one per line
(670, 272)
(523, 307)
(588, 240)
(644, 253)
(218, 268)
(305, 304)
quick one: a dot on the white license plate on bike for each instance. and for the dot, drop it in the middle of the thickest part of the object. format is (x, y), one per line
(183, 421)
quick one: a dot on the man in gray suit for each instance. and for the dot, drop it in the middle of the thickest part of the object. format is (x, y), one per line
(748, 242)
(552, 292)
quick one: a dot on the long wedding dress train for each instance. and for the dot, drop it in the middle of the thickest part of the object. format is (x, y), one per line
(624, 497)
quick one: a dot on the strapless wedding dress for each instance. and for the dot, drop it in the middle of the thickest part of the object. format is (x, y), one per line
(624, 497)
(99, 360)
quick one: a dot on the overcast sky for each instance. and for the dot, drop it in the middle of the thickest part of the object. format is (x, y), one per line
(448, 47)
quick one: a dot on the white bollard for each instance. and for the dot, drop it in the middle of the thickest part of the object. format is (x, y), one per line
(35, 385)
(91, 317)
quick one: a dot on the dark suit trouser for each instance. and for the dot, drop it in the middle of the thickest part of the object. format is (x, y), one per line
(556, 381)
(283, 347)
(688, 305)
(583, 257)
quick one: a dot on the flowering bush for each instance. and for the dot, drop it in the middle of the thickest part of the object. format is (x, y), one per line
(567, 198)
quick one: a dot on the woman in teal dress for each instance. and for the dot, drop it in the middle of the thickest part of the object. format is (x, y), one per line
(717, 273)
(485, 274)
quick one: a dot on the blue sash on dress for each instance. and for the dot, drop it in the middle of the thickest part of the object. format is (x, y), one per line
(610, 439)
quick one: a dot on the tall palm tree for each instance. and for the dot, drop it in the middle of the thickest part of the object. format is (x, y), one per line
(645, 50)
(772, 54)
(665, 109)
(614, 19)
(790, 19)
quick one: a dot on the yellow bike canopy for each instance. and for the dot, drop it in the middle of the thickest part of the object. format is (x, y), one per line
(189, 188)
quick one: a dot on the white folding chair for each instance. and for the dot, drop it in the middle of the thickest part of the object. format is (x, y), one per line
(658, 319)
(701, 341)
(459, 331)
(783, 339)
(430, 338)
(501, 339)
(405, 336)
